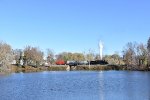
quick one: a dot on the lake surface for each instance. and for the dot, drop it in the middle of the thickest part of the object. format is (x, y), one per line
(76, 85)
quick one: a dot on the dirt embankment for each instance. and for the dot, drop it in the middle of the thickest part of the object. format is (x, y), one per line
(15, 68)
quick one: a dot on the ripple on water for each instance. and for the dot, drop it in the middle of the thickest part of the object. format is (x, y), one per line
(78, 85)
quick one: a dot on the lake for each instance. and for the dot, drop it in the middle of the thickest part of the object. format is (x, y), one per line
(76, 85)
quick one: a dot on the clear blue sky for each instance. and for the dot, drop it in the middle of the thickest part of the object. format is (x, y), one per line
(74, 25)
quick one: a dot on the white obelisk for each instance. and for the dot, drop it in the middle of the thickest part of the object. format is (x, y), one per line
(101, 50)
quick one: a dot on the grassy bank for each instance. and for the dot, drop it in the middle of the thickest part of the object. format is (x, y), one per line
(94, 67)
(57, 68)
(16, 69)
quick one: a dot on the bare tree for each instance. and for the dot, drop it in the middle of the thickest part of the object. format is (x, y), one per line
(33, 56)
(78, 57)
(62, 56)
(17, 55)
(142, 54)
(50, 56)
(130, 54)
(97, 57)
(114, 59)
(6, 56)
(90, 56)
(70, 56)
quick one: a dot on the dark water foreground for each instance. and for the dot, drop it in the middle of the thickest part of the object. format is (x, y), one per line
(76, 85)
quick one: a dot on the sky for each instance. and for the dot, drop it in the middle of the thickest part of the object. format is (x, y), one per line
(74, 25)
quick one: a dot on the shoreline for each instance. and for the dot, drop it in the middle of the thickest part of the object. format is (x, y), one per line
(16, 69)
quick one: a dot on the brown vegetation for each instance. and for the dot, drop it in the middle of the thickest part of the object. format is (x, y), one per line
(135, 57)
(6, 57)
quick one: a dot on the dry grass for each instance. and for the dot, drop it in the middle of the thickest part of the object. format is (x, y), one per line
(15, 68)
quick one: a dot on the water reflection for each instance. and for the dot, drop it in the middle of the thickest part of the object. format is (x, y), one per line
(101, 81)
(76, 85)
(124, 85)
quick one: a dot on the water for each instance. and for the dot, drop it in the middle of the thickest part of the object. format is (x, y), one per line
(76, 85)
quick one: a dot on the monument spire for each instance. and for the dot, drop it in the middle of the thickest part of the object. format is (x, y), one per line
(101, 50)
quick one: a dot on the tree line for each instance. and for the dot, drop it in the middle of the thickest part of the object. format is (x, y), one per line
(137, 56)
(134, 56)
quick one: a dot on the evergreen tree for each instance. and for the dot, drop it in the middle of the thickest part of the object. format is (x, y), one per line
(148, 45)
(148, 48)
